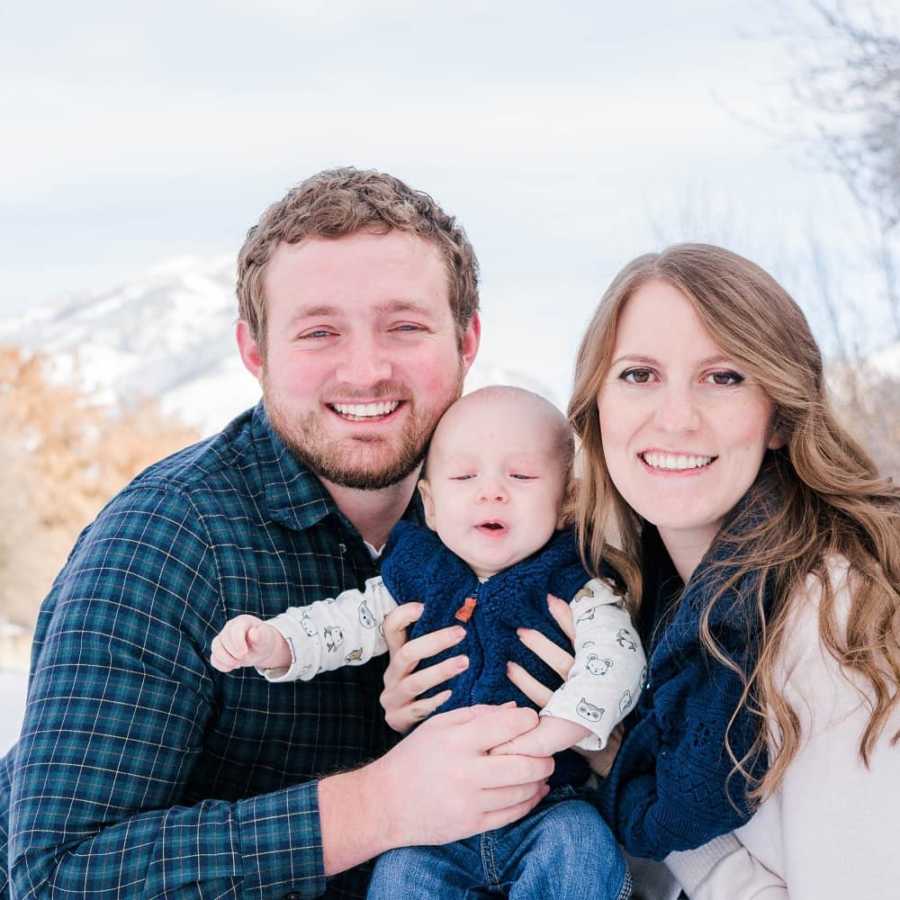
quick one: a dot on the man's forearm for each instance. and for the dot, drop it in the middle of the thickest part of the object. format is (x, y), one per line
(352, 819)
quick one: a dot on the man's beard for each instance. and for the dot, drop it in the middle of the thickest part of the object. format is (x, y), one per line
(347, 462)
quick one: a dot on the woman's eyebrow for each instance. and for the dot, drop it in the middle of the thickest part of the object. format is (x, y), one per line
(708, 361)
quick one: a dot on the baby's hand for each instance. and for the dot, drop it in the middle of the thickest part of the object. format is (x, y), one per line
(248, 641)
(549, 736)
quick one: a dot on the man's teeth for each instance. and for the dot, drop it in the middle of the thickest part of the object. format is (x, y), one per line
(673, 461)
(365, 410)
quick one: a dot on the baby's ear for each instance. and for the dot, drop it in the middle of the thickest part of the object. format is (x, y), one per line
(567, 506)
(427, 502)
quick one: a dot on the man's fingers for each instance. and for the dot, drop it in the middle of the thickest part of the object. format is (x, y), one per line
(501, 725)
(419, 682)
(506, 771)
(504, 797)
(536, 692)
(415, 712)
(558, 659)
(500, 817)
(562, 612)
(413, 652)
(397, 621)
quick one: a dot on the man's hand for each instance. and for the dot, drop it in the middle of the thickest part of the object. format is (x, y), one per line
(402, 682)
(439, 784)
(248, 641)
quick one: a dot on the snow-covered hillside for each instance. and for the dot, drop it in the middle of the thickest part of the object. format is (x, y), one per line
(169, 334)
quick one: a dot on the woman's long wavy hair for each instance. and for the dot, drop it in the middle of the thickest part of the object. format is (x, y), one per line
(831, 499)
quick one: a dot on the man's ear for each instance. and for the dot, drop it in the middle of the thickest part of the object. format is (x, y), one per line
(249, 349)
(470, 340)
(427, 502)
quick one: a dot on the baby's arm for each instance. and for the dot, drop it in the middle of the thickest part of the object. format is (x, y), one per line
(324, 635)
(603, 684)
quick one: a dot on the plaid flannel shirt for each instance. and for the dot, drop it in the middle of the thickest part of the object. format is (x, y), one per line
(143, 772)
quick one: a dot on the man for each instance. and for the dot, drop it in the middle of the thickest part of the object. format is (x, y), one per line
(141, 771)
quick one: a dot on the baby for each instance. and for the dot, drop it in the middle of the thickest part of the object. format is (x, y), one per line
(493, 490)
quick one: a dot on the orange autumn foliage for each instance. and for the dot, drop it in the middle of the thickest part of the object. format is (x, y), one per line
(62, 456)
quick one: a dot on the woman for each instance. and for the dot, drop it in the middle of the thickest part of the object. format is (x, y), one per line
(765, 553)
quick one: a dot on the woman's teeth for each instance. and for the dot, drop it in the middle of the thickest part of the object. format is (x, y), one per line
(675, 461)
(365, 410)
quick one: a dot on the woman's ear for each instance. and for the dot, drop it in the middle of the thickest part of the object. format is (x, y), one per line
(776, 433)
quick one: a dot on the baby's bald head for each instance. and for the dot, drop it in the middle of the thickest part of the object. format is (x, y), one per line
(497, 476)
(506, 403)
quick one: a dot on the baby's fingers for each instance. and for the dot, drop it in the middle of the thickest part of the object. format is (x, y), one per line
(220, 658)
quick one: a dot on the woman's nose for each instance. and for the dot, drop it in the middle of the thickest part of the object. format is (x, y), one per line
(676, 410)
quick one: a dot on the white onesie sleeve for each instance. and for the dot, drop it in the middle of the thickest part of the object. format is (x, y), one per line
(610, 666)
(347, 630)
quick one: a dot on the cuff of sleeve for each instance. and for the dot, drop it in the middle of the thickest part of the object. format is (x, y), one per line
(691, 867)
(281, 843)
(598, 737)
(305, 652)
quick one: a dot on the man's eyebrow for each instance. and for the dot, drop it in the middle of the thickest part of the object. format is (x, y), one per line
(392, 306)
(309, 312)
(649, 360)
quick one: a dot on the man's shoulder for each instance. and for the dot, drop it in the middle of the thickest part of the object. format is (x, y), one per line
(223, 458)
(216, 479)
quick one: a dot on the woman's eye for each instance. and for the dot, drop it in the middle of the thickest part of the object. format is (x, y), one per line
(724, 378)
(637, 376)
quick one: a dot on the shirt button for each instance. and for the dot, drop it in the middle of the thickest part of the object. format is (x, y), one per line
(291, 896)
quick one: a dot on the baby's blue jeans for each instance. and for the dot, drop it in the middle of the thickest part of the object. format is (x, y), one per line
(563, 850)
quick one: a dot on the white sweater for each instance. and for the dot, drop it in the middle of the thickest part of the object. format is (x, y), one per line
(830, 831)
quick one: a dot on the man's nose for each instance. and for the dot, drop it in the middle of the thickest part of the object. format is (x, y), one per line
(676, 409)
(364, 362)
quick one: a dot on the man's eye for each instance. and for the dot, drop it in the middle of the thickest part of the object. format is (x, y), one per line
(316, 333)
(407, 328)
(637, 376)
(724, 378)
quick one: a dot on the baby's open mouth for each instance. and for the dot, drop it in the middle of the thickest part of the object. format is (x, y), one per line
(491, 526)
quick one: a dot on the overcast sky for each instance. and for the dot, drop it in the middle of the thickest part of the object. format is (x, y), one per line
(567, 138)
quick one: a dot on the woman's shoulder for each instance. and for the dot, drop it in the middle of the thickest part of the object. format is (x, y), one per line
(805, 603)
(813, 680)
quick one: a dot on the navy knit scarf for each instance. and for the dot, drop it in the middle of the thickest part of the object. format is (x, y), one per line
(672, 786)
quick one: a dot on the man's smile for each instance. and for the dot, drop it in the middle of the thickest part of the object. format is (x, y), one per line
(365, 412)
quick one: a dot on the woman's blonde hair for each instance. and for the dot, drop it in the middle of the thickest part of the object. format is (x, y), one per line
(830, 498)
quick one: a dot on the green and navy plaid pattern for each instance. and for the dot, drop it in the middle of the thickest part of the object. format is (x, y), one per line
(143, 772)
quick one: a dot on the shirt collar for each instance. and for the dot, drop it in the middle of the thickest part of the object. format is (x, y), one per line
(295, 497)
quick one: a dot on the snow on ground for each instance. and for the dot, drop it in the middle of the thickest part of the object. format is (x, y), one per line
(12, 706)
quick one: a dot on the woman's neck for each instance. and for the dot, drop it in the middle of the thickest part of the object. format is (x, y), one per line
(687, 547)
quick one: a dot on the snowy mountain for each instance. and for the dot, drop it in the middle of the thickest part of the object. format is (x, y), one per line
(169, 334)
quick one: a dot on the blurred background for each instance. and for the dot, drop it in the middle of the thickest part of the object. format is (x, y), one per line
(140, 144)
